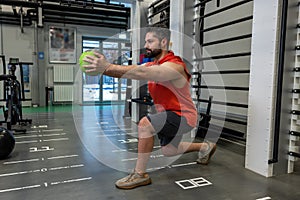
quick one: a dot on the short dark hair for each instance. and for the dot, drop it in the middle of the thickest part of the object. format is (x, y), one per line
(161, 31)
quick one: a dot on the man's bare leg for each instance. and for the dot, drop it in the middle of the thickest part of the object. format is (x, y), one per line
(183, 147)
(145, 144)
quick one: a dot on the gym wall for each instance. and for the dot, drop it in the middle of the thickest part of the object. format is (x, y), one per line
(15, 44)
(26, 46)
(235, 80)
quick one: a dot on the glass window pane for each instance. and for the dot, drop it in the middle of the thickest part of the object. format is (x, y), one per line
(91, 84)
(109, 89)
(123, 88)
(111, 55)
(90, 44)
(110, 45)
(109, 83)
(85, 49)
(115, 2)
(126, 46)
(125, 57)
(91, 88)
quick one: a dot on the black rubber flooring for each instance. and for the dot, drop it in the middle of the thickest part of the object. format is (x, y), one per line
(79, 155)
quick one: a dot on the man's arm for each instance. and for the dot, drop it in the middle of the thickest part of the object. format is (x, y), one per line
(164, 72)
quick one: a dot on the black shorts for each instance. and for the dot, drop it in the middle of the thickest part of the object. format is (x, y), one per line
(169, 127)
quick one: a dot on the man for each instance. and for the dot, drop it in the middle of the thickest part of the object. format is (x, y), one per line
(168, 83)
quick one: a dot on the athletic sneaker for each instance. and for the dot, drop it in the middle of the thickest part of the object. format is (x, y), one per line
(133, 180)
(205, 156)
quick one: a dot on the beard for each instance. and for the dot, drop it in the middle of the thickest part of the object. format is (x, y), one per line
(152, 53)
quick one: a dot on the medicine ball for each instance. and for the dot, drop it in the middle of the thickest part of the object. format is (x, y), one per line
(7, 143)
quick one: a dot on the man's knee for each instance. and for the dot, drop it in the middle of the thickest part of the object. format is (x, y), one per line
(145, 128)
(169, 150)
(144, 122)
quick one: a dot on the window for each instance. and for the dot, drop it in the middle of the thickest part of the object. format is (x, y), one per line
(105, 88)
(115, 2)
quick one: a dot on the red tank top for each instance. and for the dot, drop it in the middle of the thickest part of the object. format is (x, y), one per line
(168, 97)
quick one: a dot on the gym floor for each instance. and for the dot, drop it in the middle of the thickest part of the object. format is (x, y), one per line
(72, 153)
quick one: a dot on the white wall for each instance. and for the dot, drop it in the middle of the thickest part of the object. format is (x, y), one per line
(26, 46)
(15, 44)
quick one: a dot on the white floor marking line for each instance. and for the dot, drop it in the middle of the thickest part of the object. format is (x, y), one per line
(43, 170)
(265, 198)
(34, 127)
(96, 131)
(184, 164)
(156, 156)
(71, 181)
(111, 135)
(19, 173)
(128, 141)
(43, 126)
(53, 134)
(155, 168)
(45, 184)
(171, 166)
(132, 133)
(44, 135)
(128, 159)
(40, 126)
(21, 161)
(103, 134)
(113, 130)
(20, 188)
(35, 141)
(90, 127)
(37, 159)
(125, 150)
(62, 157)
(28, 136)
(27, 142)
(152, 157)
(57, 139)
(50, 130)
(177, 165)
(117, 126)
(193, 183)
(66, 167)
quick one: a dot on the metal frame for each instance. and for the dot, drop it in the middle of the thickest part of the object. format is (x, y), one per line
(89, 14)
